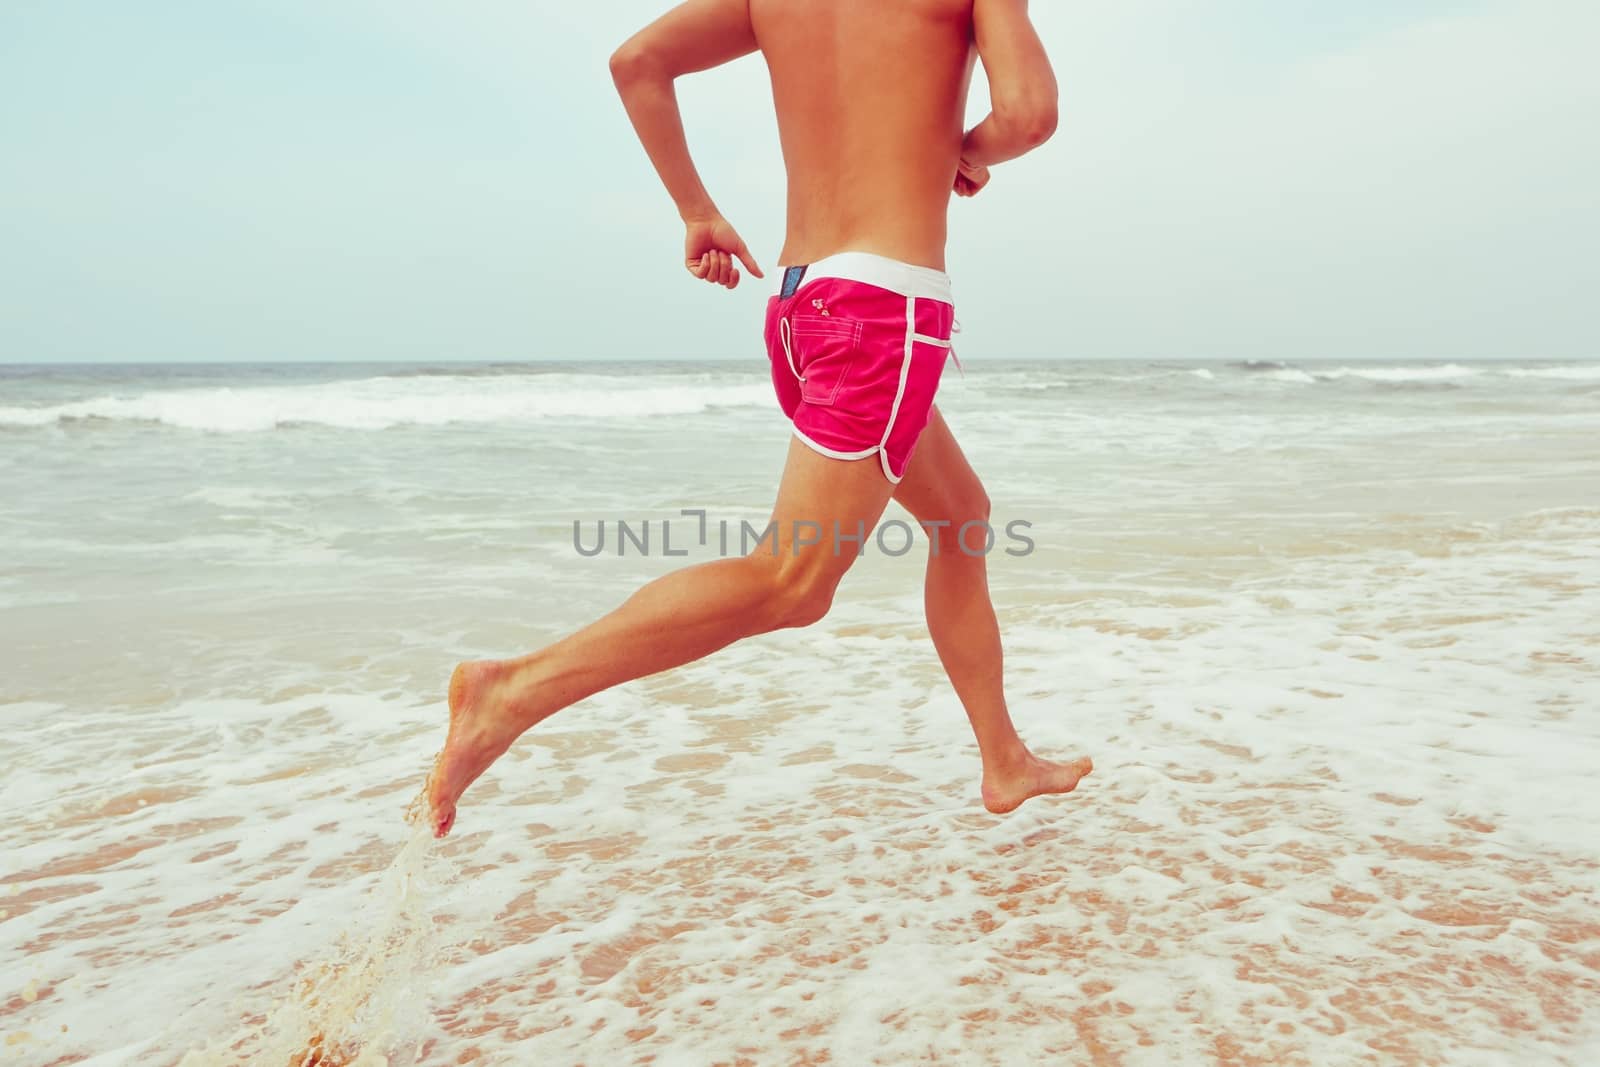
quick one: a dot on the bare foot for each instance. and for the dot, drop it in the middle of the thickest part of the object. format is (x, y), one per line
(479, 734)
(1036, 777)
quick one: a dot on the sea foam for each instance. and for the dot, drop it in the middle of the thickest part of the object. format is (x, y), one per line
(384, 402)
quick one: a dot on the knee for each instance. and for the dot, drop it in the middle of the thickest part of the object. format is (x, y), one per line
(805, 605)
(797, 595)
(967, 523)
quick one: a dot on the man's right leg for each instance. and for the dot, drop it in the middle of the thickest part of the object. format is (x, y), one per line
(676, 619)
(941, 490)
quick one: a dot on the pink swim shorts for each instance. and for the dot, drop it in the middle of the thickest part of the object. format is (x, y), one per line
(857, 343)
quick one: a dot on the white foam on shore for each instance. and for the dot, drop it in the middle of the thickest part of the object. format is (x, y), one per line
(385, 402)
(1348, 800)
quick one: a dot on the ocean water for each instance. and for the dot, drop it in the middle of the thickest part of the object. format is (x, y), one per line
(1331, 632)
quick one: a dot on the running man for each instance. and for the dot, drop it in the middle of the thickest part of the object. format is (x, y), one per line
(871, 98)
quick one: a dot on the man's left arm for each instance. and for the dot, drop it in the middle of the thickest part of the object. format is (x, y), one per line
(695, 36)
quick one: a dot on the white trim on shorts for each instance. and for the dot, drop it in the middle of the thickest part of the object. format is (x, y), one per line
(907, 279)
(900, 392)
(830, 452)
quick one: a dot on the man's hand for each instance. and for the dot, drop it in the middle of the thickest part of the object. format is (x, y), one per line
(696, 35)
(970, 178)
(710, 248)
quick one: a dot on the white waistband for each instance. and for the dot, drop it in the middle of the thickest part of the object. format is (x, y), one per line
(904, 278)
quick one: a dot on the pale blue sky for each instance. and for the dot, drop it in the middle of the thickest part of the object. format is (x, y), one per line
(391, 179)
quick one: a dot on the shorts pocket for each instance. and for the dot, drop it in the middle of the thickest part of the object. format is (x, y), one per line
(825, 348)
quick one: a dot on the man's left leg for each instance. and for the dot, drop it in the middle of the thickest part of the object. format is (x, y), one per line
(942, 492)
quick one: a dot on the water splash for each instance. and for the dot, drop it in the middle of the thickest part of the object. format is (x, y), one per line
(367, 996)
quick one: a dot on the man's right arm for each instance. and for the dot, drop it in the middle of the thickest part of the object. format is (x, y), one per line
(1022, 87)
(694, 36)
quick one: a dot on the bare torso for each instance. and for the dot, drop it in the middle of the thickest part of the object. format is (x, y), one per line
(871, 97)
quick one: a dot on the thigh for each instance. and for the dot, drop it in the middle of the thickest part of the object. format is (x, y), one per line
(821, 498)
(939, 484)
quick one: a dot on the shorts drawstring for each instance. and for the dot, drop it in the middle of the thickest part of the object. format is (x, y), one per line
(785, 335)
